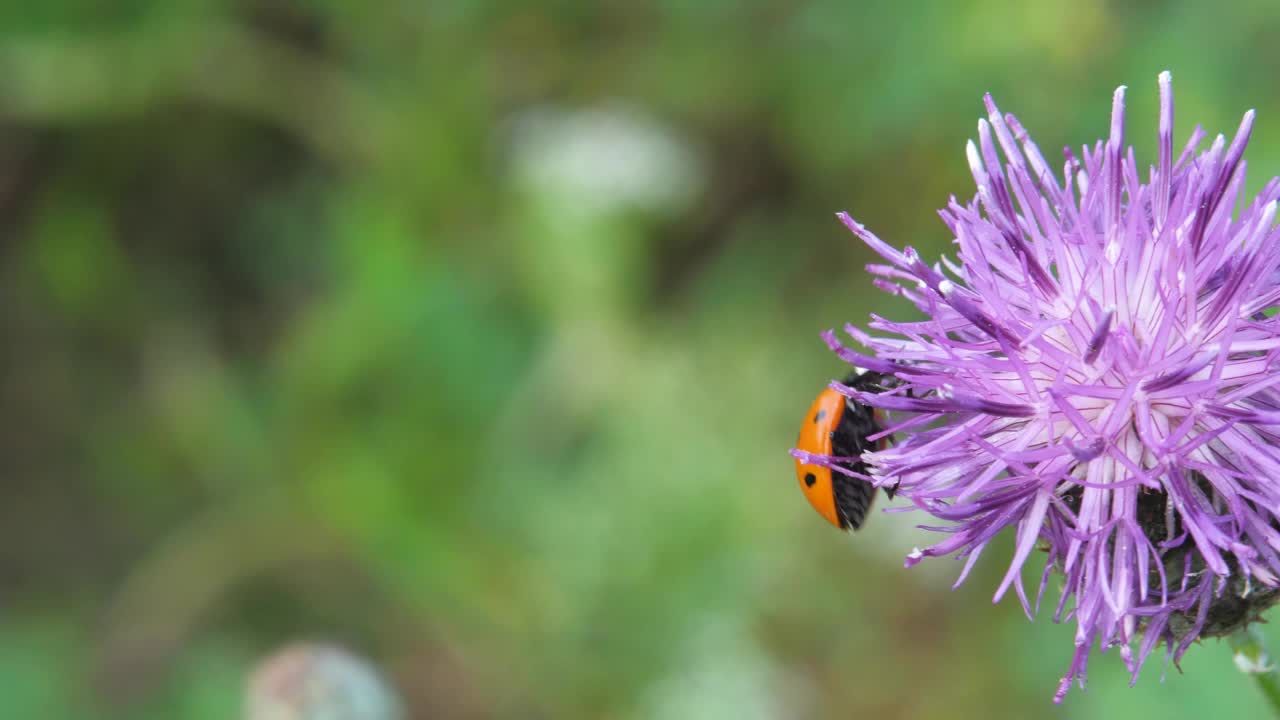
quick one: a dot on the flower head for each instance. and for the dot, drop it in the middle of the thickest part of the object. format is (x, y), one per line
(1098, 369)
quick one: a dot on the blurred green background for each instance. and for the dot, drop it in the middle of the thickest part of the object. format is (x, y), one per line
(473, 336)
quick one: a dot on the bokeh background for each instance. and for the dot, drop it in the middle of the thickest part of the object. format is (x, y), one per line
(473, 335)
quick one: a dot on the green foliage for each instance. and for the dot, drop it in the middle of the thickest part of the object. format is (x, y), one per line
(308, 335)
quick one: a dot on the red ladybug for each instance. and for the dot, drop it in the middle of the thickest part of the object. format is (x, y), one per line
(839, 427)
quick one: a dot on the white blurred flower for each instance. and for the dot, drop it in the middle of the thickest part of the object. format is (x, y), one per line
(604, 159)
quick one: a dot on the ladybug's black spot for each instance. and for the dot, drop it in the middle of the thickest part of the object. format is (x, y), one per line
(810, 479)
(821, 414)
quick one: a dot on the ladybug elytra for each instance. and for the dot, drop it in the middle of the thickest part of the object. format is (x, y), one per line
(837, 426)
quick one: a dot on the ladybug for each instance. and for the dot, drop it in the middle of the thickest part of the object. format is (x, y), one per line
(840, 427)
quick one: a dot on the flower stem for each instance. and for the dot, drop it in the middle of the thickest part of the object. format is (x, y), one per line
(1252, 659)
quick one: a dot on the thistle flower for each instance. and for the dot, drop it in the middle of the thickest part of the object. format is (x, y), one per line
(1098, 370)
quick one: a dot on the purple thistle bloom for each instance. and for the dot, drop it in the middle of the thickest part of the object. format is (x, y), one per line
(1098, 371)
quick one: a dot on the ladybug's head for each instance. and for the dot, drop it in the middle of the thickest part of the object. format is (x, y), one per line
(871, 381)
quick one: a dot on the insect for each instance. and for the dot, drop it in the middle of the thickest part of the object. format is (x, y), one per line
(839, 427)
